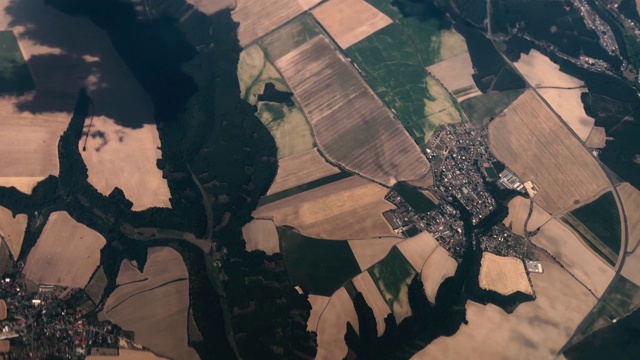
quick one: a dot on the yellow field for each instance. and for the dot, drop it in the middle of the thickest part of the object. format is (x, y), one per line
(347, 209)
(417, 249)
(364, 284)
(66, 253)
(535, 330)
(127, 355)
(350, 124)
(630, 197)
(439, 266)
(504, 275)
(369, 251)
(318, 304)
(541, 72)
(300, 169)
(261, 235)
(576, 256)
(258, 17)
(12, 230)
(455, 74)
(532, 142)
(95, 287)
(154, 304)
(597, 138)
(333, 325)
(349, 21)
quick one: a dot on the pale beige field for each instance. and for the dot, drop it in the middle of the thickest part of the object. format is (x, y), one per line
(532, 142)
(154, 304)
(364, 284)
(349, 21)
(261, 235)
(259, 17)
(121, 157)
(212, 6)
(127, 355)
(576, 256)
(538, 218)
(333, 325)
(369, 251)
(318, 304)
(439, 266)
(440, 111)
(630, 197)
(455, 74)
(3, 310)
(12, 230)
(597, 138)
(88, 59)
(504, 275)
(350, 124)
(518, 212)
(66, 253)
(417, 249)
(535, 330)
(95, 287)
(291, 133)
(254, 71)
(300, 169)
(346, 209)
(540, 71)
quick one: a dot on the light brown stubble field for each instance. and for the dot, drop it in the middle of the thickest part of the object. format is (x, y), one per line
(576, 256)
(259, 17)
(349, 21)
(455, 74)
(318, 304)
(535, 330)
(332, 326)
(439, 266)
(365, 285)
(300, 169)
(66, 253)
(12, 230)
(504, 275)
(630, 197)
(346, 209)
(417, 249)
(597, 138)
(261, 235)
(531, 141)
(369, 251)
(154, 304)
(351, 125)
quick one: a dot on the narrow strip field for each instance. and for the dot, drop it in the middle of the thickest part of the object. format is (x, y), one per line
(439, 266)
(531, 141)
(630, 197)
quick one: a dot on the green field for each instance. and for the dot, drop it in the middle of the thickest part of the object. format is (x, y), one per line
(392, 275)
(14, 72)
(598, 223)
(482, 108)
(318, 266)
(393, 62)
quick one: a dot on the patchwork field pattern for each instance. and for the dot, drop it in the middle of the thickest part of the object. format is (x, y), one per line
(350, 124)
(349, 21)
(365, 285)
(66, 254)
(483, 108)
(392, 276)
(504, 275)
(456, 75)
(300, 169)
(370, 251)
(530, 140)
(12, 230)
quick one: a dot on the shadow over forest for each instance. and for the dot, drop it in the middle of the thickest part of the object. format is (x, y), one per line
(84, 56)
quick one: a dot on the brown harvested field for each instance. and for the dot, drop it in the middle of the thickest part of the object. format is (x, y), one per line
(5, 346)
(535, 330)
(630, 197)
(538, 218)
(439, 266)
(417, 249)
(369, 251)
(504, 275)
(261, 235)
(518, 212)
(318, 304)
(560, 90)
(575, 255)
(346, 209)
(66, 253)
(333, 325)
(349, 21)
(364, 284)
(127, 355)
(597, 138)
(12, 230)
(211, 7)
(259, 17)
(351, 125)
(155, 306)
(95, 287)
(122, 157)
(300, 169)
(531, 141)
(455, 74)
(3, 310)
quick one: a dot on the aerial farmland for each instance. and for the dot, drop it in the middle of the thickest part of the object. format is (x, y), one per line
(12, 230)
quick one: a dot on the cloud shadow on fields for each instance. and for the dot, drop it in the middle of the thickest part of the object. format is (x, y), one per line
(81, 54)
